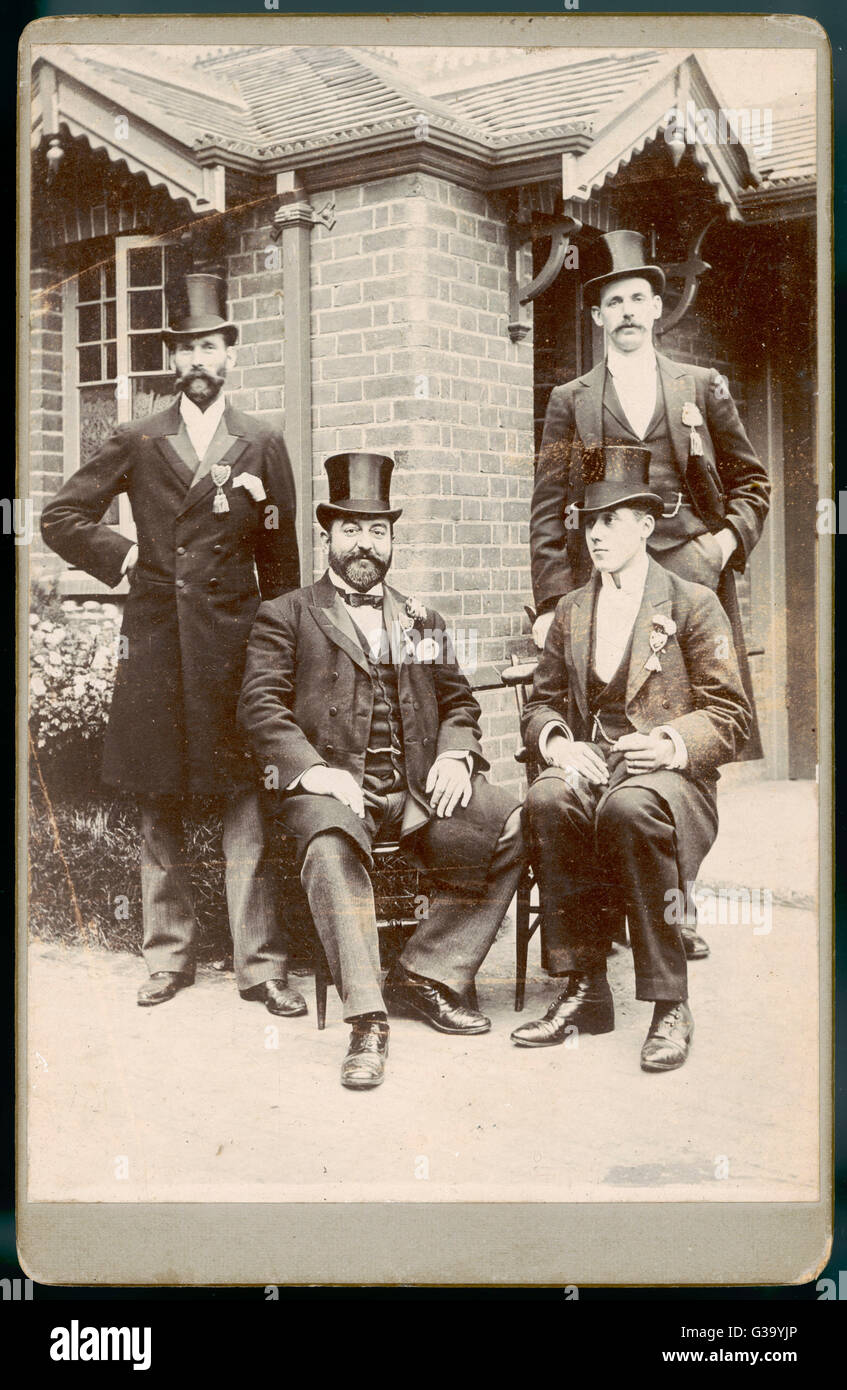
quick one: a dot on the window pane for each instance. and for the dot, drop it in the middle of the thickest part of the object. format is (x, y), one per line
(89, 363)
(150, 393)
(109, 275)
(89, 284)
(110, 321)
(178, 265)
(111, 361)
(145, 266)
(146, 353)
(145, 309)
(98, 417)
(88, 318)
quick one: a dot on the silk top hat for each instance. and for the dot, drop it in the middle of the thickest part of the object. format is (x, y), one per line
(617, 475)
(620, 254)
(359, 485)
(205, 311)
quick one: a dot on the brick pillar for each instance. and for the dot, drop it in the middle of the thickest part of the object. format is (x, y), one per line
(45, 423)
(411, 356)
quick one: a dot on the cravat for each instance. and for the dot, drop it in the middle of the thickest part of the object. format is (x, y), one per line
(362, 600)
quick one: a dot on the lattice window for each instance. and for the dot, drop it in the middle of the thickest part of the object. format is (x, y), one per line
(119, 369)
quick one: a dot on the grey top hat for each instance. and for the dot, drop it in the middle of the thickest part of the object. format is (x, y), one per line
(622, 254)
(205, 310)
(617, 475)
(359, 485)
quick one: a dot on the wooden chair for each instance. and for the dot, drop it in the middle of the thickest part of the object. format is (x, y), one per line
(518, 678)
(400, 892)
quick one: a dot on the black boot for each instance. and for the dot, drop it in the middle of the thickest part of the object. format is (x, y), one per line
(586, 1006)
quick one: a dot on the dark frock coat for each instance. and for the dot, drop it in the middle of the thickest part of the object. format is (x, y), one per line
(307, 700)
(194, 592)
(726, 484)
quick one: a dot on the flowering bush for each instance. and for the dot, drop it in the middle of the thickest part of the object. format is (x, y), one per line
(72, 659)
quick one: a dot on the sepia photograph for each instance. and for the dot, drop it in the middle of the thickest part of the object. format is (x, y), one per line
(425, 652)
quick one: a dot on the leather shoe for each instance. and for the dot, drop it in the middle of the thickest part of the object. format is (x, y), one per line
(278, 998)
(668, 1041)
(364, 1066)
(696, 948)
(162, 985)
(585, 1005)
(434, 1003)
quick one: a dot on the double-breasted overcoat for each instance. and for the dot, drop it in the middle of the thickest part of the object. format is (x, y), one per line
(194, 593)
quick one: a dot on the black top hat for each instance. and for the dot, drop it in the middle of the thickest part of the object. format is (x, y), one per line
(618, 475)
(622, 253)
(205, 306)
(359, 485)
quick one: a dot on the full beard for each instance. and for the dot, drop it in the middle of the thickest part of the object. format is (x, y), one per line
(200, 387)
(359, 571)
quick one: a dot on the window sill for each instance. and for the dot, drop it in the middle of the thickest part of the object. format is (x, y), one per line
(78, 584)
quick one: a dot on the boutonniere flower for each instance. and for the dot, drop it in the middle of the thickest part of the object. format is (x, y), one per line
(691, 416)
(415, 609)
(251, 484)
(662, 628)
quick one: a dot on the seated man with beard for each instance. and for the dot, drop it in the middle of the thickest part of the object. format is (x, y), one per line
(352, 696)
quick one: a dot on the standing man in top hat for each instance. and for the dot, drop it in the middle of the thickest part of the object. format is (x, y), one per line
(212, 497)
(353, 693)
(714, 490)
(637, 701)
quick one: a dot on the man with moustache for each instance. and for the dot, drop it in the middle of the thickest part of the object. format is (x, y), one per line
(714, 490)
(352, 695)
(212, 497)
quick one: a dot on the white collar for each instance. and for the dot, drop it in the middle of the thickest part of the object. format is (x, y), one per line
(376, 589)
(631, 364)
(208, 419)
(632, 578)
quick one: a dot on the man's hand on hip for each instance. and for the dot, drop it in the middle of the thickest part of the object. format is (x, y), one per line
(449, 781)
(541, 627)
(334, 781)
(728, 541)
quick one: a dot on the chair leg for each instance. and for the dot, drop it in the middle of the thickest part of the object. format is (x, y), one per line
(522, 935)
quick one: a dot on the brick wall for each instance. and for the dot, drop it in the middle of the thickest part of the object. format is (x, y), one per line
(45, 417)
(254, 281)
(411, 357)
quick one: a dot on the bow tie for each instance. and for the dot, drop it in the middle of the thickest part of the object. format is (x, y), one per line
(362, 600)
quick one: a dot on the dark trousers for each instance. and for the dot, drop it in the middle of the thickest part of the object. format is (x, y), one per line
(447, 946)
(169, 924)
(593, 854)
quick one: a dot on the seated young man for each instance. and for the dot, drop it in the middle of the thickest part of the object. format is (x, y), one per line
(353, 694)
(636, 703)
